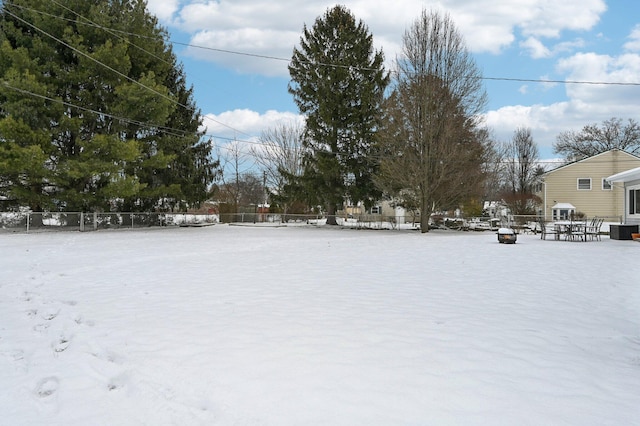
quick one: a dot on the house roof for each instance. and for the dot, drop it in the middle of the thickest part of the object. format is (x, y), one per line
(626, 176)
(590, 158)
(568, 206)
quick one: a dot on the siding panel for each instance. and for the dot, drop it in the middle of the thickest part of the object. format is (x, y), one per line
(561, 185)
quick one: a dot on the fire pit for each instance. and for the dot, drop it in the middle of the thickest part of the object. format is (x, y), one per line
(507, 236)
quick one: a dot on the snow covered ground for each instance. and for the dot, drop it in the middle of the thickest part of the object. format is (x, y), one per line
(316, 326)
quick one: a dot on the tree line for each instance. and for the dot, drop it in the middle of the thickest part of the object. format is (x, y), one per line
(412, 135)
(96, 115)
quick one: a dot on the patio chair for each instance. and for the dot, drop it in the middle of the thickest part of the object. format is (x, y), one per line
(576, 231)
(593, 229)
(548, 229)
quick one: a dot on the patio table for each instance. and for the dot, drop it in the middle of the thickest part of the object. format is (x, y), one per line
(571, 229)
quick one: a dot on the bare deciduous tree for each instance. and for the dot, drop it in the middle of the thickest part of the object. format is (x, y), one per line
(594, 139)
(233, 160)
(430, 147)
(493, 167)
(280, 154)
(521, 172)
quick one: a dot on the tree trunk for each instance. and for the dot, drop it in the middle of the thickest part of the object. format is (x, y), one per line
(425, 213)
(35, 219)
(331, 215)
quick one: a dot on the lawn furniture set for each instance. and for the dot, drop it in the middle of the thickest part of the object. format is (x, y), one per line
(572, 230)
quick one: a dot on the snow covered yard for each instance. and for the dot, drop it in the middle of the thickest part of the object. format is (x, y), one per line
(317, 326)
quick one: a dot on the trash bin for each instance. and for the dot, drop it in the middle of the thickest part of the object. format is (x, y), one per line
(507, 236)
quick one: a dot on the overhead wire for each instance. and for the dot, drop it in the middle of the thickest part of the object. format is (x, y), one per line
(321, 64)
(168, 130)
(134, 81)
(181, 133)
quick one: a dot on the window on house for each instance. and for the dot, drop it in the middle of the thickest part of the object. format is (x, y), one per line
(376, 210)
(606, 186)
(634, 200)
(562, 214)
(584, 184)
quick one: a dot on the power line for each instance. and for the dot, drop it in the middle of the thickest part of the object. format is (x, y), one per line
(108, 30)
(288, 60)
(112, 31)
(181, 133)
(546, 81)
(168, 130)
(117, 72)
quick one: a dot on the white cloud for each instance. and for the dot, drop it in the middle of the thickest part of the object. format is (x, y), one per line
(593, 67)
(537, 50)
(548, 85)
(243, 139)
(247, 124)
(568, 46)
(548, 18)
(274, 28)
(535, 26)
(535, 47)
(545, 121)
(249, 51)
(586, 104)
(634, 40)
(163, 9)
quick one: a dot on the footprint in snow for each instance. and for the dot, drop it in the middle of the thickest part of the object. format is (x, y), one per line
(80, 320)
(61, 345)
(40, 328)
(117, 382)
(49, 315)
(47, 387)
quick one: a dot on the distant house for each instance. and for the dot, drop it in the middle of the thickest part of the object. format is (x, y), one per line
(400, 214)
(495, 209)
(582, 187)
(630, 181)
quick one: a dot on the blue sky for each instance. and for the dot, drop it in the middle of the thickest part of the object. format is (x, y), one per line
(572, 40)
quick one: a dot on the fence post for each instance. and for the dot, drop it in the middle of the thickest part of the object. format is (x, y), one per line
(81, 221)
(27, 222)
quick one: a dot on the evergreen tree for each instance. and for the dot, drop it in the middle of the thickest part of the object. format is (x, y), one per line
(98, 88)
(338, 83)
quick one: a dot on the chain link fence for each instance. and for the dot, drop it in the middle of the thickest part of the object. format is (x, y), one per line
(79, 221)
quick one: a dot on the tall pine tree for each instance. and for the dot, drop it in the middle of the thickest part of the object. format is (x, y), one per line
(94, 110)
(338, 83)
